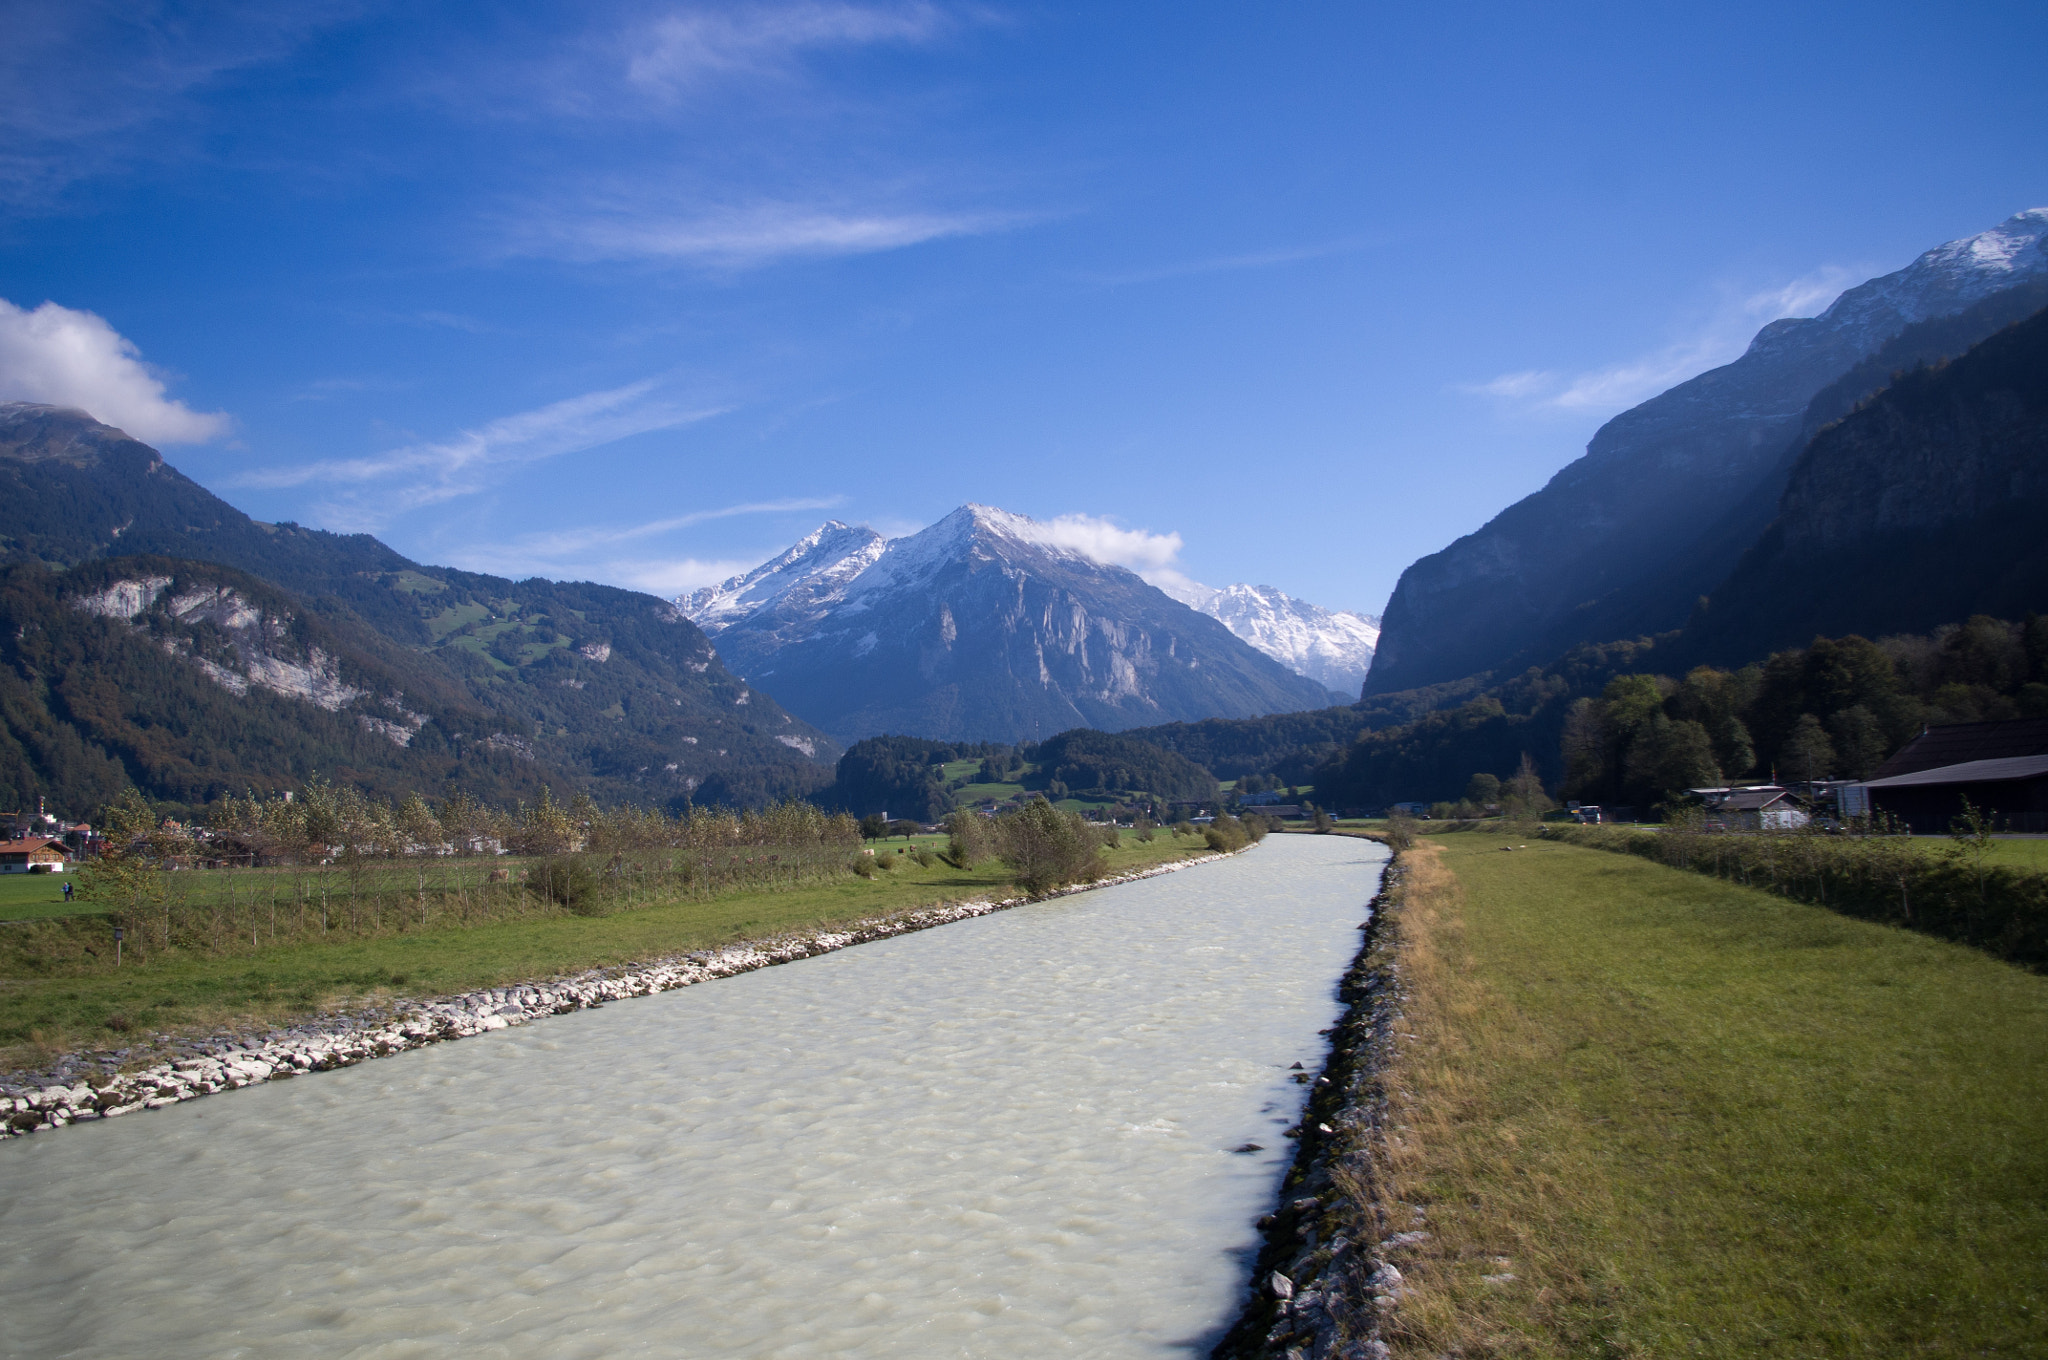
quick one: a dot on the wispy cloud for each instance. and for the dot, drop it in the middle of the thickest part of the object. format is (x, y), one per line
(435, 471)
(691, 47)
(734, 238)
(594, 552)
(88, 88)
(1719, 340)
(72, 358)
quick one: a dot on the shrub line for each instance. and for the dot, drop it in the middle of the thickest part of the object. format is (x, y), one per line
(1951, 893)
(344, 1039)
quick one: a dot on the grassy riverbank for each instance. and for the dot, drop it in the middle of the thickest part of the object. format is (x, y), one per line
(1651, 1113)
(100, 1006)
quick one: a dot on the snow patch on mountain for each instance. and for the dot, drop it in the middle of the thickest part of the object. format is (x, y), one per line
(1332, 647)
(815, 570)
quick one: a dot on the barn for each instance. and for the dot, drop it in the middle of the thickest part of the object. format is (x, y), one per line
(2000, 767)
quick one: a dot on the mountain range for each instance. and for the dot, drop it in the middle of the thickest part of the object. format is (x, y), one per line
(981, 627)
(1669, 495)
(1333, 647)
(259, 655)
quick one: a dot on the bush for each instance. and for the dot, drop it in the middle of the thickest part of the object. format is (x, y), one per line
(1227, 833)
(1111, 837)
(568, 882)
(1145, 831)
(864, 865)
(971, 839)
(1048, 848)
(1400, 832)
(923, 858)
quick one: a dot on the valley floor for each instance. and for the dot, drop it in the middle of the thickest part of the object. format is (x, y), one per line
(48, 1012)
(1647, 1113)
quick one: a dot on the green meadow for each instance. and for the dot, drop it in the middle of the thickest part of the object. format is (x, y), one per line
(1651, 1113)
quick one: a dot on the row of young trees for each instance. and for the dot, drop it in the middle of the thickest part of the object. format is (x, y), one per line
(329, 861)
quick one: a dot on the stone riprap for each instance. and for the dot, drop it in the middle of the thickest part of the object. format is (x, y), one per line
(342, 1040)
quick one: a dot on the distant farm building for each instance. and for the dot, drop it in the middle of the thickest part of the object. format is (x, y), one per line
(35, 855)
(1754, 807)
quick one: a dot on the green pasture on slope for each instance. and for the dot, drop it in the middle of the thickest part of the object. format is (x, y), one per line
(1771, 1130)
(100, 1006)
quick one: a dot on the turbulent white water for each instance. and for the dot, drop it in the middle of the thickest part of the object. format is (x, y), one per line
(1007, 1137)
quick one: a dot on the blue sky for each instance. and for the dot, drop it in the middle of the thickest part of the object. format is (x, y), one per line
(1290, 292)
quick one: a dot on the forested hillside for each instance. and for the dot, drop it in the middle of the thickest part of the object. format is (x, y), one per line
(608, 691)
(192, 681)
(1609, 725)
(909, 776)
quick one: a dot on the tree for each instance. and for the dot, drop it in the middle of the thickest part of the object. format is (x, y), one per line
(1685, 758)
(1733, 749)
(1859, 740)
(1483, 789)
(970, 839)
(874, 826)
(1807, 753)
(1047, 847)
(1522, 797)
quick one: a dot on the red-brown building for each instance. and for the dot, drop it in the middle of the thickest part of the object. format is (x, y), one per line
(35, 855)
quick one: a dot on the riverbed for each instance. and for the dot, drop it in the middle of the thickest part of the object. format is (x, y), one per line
(1011, 1136)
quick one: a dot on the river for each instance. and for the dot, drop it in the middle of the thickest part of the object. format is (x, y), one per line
(1006, 1137)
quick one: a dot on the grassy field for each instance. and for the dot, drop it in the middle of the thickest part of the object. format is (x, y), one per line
(2019, 854)
(1650, 1113)
(103, 1006)
(23, 896)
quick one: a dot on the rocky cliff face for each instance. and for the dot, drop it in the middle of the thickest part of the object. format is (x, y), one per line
(980, 628)
(1627, 537)
(1924, 506)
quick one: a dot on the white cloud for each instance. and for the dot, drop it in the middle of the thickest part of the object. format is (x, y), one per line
(63, 357)
(689, 47)
(1152, 556)
(737, 237)
(1721, 339)
(416, 475)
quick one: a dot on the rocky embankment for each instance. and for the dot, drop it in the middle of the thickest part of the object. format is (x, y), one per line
(35, 1102)
(1325, 1281)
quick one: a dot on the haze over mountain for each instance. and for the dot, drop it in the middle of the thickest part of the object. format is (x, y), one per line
(1626, 539)
(448, 676)
(980, 627)
(1924, 506)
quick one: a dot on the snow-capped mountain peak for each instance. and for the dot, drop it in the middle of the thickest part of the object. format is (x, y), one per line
(816, 569)
(847, 570)
(1333, 647)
